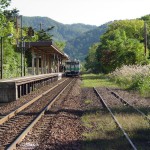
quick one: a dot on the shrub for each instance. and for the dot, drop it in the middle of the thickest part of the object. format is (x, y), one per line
(133, 78)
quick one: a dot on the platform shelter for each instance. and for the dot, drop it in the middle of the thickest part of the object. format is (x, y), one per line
(46, 57)
(47, 63)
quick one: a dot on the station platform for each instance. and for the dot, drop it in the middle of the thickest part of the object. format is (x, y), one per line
(13, 89)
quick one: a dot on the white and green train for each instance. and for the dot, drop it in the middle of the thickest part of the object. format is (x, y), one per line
(72, 68)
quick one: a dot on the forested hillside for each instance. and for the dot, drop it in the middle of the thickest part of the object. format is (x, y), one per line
(78, 47)
(60, 32)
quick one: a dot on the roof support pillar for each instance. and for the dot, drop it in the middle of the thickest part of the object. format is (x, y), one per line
(37, 65)
(44, 61)
(33, 63)
(58, 63)
(50, 64)
(42, 64)
(47, 63)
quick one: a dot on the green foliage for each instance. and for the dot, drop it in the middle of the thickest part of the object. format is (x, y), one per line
(43, 35)
(147, 21)
(61, 32)
(140, 84)
(145, 18)
(121, 45)
(133, 78)
(91, 59)
(144, 87)
(61, 45)
(11, 58)
(4, 4)
(78, 37)
(78, 47)
(132, 28)
(11, 14)
(11, 55)
(11, 63)
(97, 80)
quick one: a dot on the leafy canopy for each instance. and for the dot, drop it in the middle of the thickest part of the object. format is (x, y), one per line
(4, 4)
(121, 44)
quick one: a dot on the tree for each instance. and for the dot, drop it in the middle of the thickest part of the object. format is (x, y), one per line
(121, 45)
(91, 63)
(11, 14)
(61, 45)
(44, 35)
(146, 19)
(11, 63)
(4, 4)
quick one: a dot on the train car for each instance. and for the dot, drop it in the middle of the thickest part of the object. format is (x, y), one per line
(72, 68)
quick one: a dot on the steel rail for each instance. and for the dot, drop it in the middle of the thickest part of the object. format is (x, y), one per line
(125, 102)
(115, 119)
(25, 132)
(13, 113)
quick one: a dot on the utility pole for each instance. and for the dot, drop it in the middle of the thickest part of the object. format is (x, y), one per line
(24, 53)
(21, 47)
(1, 58)
(145, 38)
(20, 41)
(41, 26)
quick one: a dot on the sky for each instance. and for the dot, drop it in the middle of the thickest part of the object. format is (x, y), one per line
(93, 12)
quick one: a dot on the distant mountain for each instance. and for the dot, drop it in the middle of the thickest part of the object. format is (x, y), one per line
(61, 32)
(78, 48)
(78, 37)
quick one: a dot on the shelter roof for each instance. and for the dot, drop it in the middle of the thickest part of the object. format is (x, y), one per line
(45, 46)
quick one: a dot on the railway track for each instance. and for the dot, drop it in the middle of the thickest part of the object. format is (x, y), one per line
(10, 110)
(128, 104)
(7, 108)
(42, 133)
(19, 122)
(114, 104)
(45, 125)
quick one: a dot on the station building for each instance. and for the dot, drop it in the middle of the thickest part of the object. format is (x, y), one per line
(47, 67)
(46, 57)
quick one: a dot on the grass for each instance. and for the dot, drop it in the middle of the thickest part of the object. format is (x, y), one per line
(133, 122)
(88, 101)
(137, 128)
(97, 80)
(102, 133)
